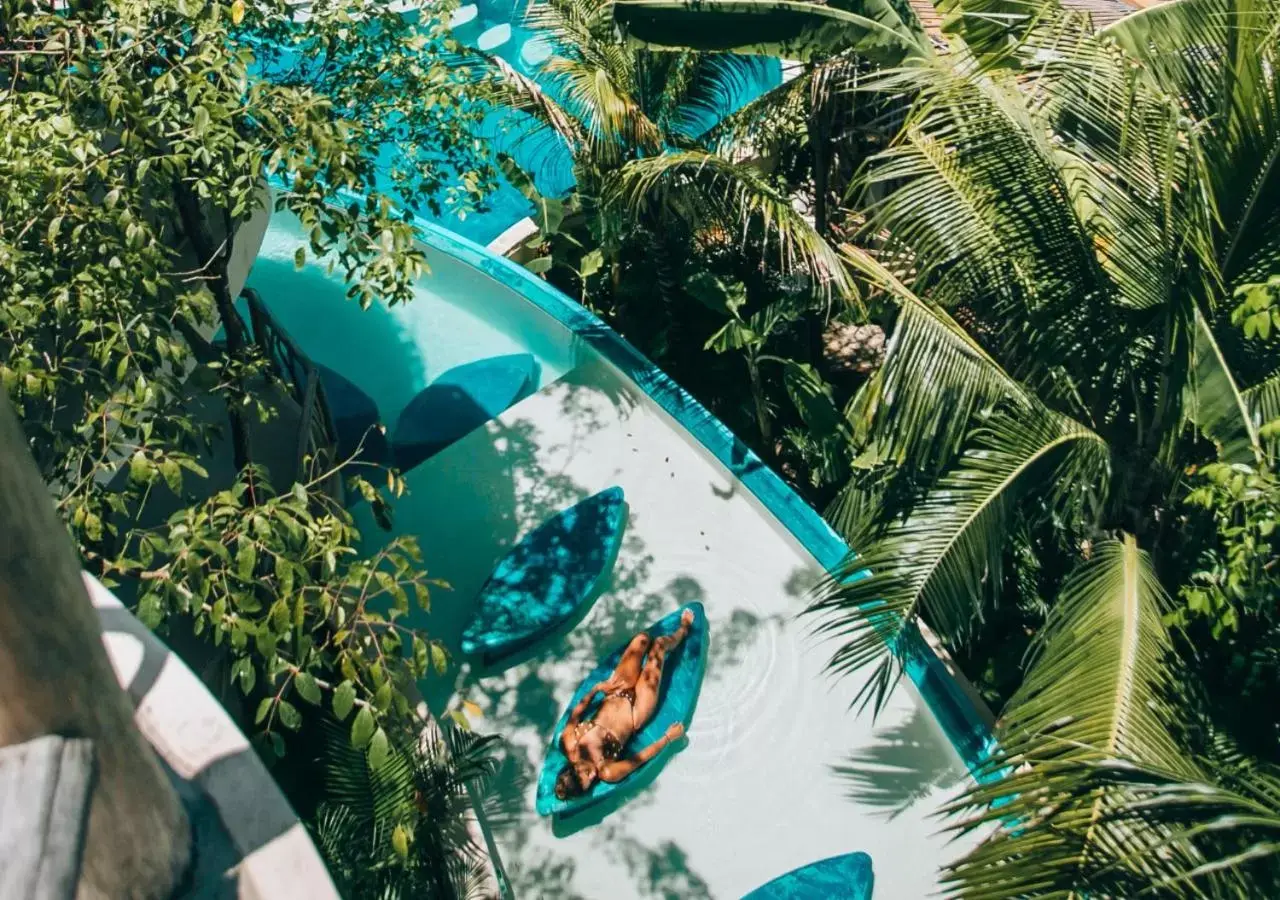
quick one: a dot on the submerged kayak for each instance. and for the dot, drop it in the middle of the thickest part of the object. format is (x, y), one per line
(847, 877)
(547, 579)
(681, 682)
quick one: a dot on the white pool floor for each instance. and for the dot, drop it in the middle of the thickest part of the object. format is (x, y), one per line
(778, 772)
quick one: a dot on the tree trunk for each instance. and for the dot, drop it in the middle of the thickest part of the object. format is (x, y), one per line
(815, 323)
(55, 678)
(237, 337)
(763, 421)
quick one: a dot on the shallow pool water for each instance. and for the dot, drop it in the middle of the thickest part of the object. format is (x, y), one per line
(392, 352)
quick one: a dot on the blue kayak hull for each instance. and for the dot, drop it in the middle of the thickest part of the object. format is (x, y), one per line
(847, 877)
(460, 401)
(548, 579)
(681, 683)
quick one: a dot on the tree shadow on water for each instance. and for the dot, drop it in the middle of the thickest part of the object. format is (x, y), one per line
(903, 765)
(660, 872)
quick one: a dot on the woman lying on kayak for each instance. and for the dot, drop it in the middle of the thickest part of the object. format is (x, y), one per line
(594, 747)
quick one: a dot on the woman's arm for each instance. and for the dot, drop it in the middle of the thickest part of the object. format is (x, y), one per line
(581, 709)
(614, 772)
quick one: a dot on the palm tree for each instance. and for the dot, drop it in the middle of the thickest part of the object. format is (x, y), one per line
(1061, 223)
(399, 828)
(814, 115)
(631, 118)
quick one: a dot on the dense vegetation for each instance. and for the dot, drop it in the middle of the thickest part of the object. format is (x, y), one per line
(1063, 460)
(1064, 464)
(135, 140)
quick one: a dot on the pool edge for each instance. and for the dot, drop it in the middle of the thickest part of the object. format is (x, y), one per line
(965, 726)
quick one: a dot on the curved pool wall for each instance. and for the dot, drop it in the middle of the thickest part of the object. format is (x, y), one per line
(965, 726)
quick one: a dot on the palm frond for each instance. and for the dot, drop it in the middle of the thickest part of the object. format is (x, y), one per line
(523, 94)
(720, 84)
(878, 30)
(705, 188)
(1263, 403)
(1102, 659)
(1097, 692)
(1218, 405)
(935, 379)
(1022, 259)
(610, 116)
(945, 557)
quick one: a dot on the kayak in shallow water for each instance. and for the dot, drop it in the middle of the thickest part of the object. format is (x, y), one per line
(677, 698)
(548, 579)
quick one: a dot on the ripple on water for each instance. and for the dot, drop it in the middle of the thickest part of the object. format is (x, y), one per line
(753, 698)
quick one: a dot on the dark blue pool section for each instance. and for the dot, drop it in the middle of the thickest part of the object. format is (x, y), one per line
(681, 684)
(548, 579)
(458, 402)
(846, 877)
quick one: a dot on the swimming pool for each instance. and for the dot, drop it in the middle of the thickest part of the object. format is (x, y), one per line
(777, 772)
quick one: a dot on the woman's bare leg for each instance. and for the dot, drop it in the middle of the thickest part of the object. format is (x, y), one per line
(627, 672)
(650, 681)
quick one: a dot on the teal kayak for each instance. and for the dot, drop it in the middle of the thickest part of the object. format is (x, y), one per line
(681, 682)
(460, 401)
(547, 579)
(847, 877)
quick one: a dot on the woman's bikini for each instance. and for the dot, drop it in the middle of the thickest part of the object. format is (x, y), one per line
(610, 746)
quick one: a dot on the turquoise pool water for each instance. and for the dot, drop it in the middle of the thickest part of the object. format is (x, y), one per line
(392, 353)
(777, 773)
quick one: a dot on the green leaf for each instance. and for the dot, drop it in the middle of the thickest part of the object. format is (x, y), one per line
(362, 729)
(400, 841)
(343, 699)
(263, 708)
(439, 659)
(289, 715)
(591, 263)
(246, 559)
(382, 696)
(140, 467)
(378, 749)
(300, 258)
(812, 398)
(307, 687)
(172, 473)
(540, 265)
(714, 294)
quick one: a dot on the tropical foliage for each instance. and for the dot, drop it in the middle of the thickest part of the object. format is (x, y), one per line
(1068, 431)
(137, 140)
(673, 234)
(401, 829)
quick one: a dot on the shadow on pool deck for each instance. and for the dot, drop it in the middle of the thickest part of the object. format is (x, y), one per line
(494, 487)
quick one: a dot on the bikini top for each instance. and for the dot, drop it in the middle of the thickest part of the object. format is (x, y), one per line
(610, 746)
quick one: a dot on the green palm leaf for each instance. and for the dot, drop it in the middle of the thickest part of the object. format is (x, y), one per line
(1235, 89)
(1097, 690)
(1218, 406)
(1263, 403)
(945, 557)
(877, 29)
(705, 188)
(935, 379)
